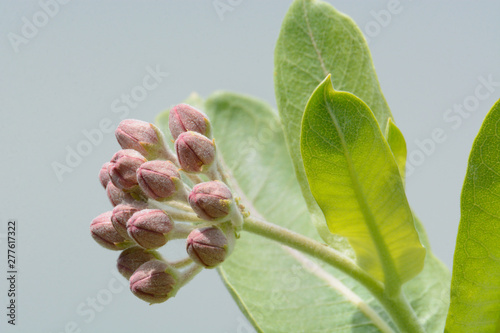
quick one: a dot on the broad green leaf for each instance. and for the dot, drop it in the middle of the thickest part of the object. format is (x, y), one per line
(317, 40)
(277, 291)
(397, 143)
(355, 180)
(475, 286)
(280, 290)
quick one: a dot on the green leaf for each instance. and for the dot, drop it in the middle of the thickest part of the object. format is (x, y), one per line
(316, 40)
(278, 289)
(355, 180)
(475, 287)
(265, 279)
(397, 143)
(429, 291)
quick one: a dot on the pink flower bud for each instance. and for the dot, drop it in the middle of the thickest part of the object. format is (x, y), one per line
(117, 196)
(149, 228)
(121, 214)
(104, 233)
(184, 117)
(104, 177)
(154, 282)
(195, 152)
(130, 259)
(159, 180)
(139, 135)
(211, 200)
(123, 167)
(208, 246)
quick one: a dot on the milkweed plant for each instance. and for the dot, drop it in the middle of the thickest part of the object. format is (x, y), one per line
(302, 211)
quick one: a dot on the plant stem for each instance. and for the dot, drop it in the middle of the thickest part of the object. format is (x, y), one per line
(222, 172)
(180, 231)
(177, 211)
(398, 308)
(181, 263)
(194, 178)
(190, 273)
(179, 205)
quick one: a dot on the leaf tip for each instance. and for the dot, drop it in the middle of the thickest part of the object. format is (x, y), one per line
(327, 84)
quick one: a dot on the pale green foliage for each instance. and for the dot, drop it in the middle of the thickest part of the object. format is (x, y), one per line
(475, 288)
(275, 290)
(317, 40)
(351, 170)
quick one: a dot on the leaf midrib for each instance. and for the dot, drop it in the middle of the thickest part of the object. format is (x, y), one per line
(313, 41)
(391, 277)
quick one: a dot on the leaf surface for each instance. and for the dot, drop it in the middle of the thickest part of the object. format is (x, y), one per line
(316, 40)
(355, 180)
(276, 289)
(279, 289)
(475, 287)
(397, 143)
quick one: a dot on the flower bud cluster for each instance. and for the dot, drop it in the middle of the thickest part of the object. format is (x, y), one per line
(158, 196)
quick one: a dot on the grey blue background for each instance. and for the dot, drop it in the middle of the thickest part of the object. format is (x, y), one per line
(65, 78)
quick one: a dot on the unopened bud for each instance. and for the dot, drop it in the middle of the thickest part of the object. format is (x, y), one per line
(142, 136)
(159, 180)
(211, 200)
(123, 167)
(196, 153)
(121, 214)
(154, 282)
(117, 196)
(104, 177)
(184, 117)
(130, 259)
(149, 228)
(209, 246)
(104, 233)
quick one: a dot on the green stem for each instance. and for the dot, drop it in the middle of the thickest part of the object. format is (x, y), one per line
(185, 217)
(181, 263)
(398, 308)
(177, 211)
(195, 179)
(190, 273)
(180, 231)
(222, 172)
(179, 205)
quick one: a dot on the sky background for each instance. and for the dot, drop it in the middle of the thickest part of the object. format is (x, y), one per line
(63, 80)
